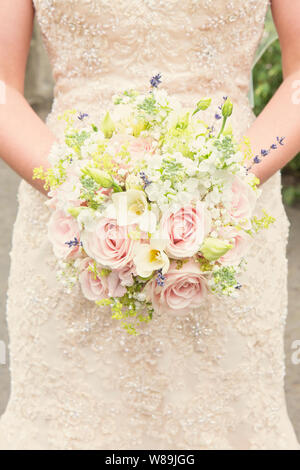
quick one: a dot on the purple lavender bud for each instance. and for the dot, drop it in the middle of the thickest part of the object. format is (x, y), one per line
(160, 279)
(156, 80)
(81, 116)
(280, 140)
(264, 152)
(145, 179)
(256, 159)
(74, 242)
(217, 116)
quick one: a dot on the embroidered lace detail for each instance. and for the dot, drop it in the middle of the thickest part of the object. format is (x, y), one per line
(210, 379)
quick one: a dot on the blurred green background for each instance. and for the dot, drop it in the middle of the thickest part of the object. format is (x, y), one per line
(266, 78)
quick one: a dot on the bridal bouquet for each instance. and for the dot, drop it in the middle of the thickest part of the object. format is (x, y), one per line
(152, 208)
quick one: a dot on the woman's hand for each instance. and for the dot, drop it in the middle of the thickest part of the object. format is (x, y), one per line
(281, 116)
(24, 138)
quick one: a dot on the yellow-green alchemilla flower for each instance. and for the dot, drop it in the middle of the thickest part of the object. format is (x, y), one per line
(150, 257)
(108, 126)
(131, 207)
(213, 248)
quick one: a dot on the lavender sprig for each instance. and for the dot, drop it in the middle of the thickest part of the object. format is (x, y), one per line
(74, 242)
(81, 116)
(156, 80)
(160, 279)
(145, 179)
(264, 152)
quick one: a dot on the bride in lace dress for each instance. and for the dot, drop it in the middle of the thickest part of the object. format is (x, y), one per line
(213, 379)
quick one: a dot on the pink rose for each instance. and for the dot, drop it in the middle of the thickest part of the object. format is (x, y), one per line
(63, 228)
(184, 230)
(109, 244)
(241, 243)
(139, 146)
(93, 287)
(119, 279)
(184, 289)
(243, 200)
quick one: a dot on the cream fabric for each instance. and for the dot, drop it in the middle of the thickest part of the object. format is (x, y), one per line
(211, 379)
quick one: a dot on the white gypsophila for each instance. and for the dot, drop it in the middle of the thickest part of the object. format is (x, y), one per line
(161, 96)
(122, 172)
(88, 218)
(57, 152)
(155, 162)
(140, 296)
(89, 147)
(214, 197)
(122, 112)
(198, 145)
(214, 212)
(140, 98)
(156, 191)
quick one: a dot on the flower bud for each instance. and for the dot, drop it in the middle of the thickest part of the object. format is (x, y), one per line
(101, 177)
(108, 126)
(202, 105)
(213, 248)
(138, 127)
(227, 108)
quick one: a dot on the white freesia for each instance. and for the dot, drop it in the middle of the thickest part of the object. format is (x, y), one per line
(131, 207)
(151, 257)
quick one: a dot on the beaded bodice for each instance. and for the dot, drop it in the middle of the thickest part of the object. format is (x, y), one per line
(199, 46)
(212, 378)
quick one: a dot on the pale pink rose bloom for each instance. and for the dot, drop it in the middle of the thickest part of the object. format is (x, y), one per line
(109, 244)
(63, 228)
(93, 287)
(184, 230)
(115, 288)
(241, 240)
(243, 201)
(118, 280)
(184, 289)
(126, 274)
(140, 146)
(137, 146)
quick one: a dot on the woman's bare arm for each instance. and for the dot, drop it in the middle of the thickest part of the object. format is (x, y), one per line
(24, 139)
(281, 116)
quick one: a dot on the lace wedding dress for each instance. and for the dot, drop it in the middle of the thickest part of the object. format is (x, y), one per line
(212, 379)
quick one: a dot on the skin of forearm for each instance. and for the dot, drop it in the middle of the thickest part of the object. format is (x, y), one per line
(25, 140)
(280, 118)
